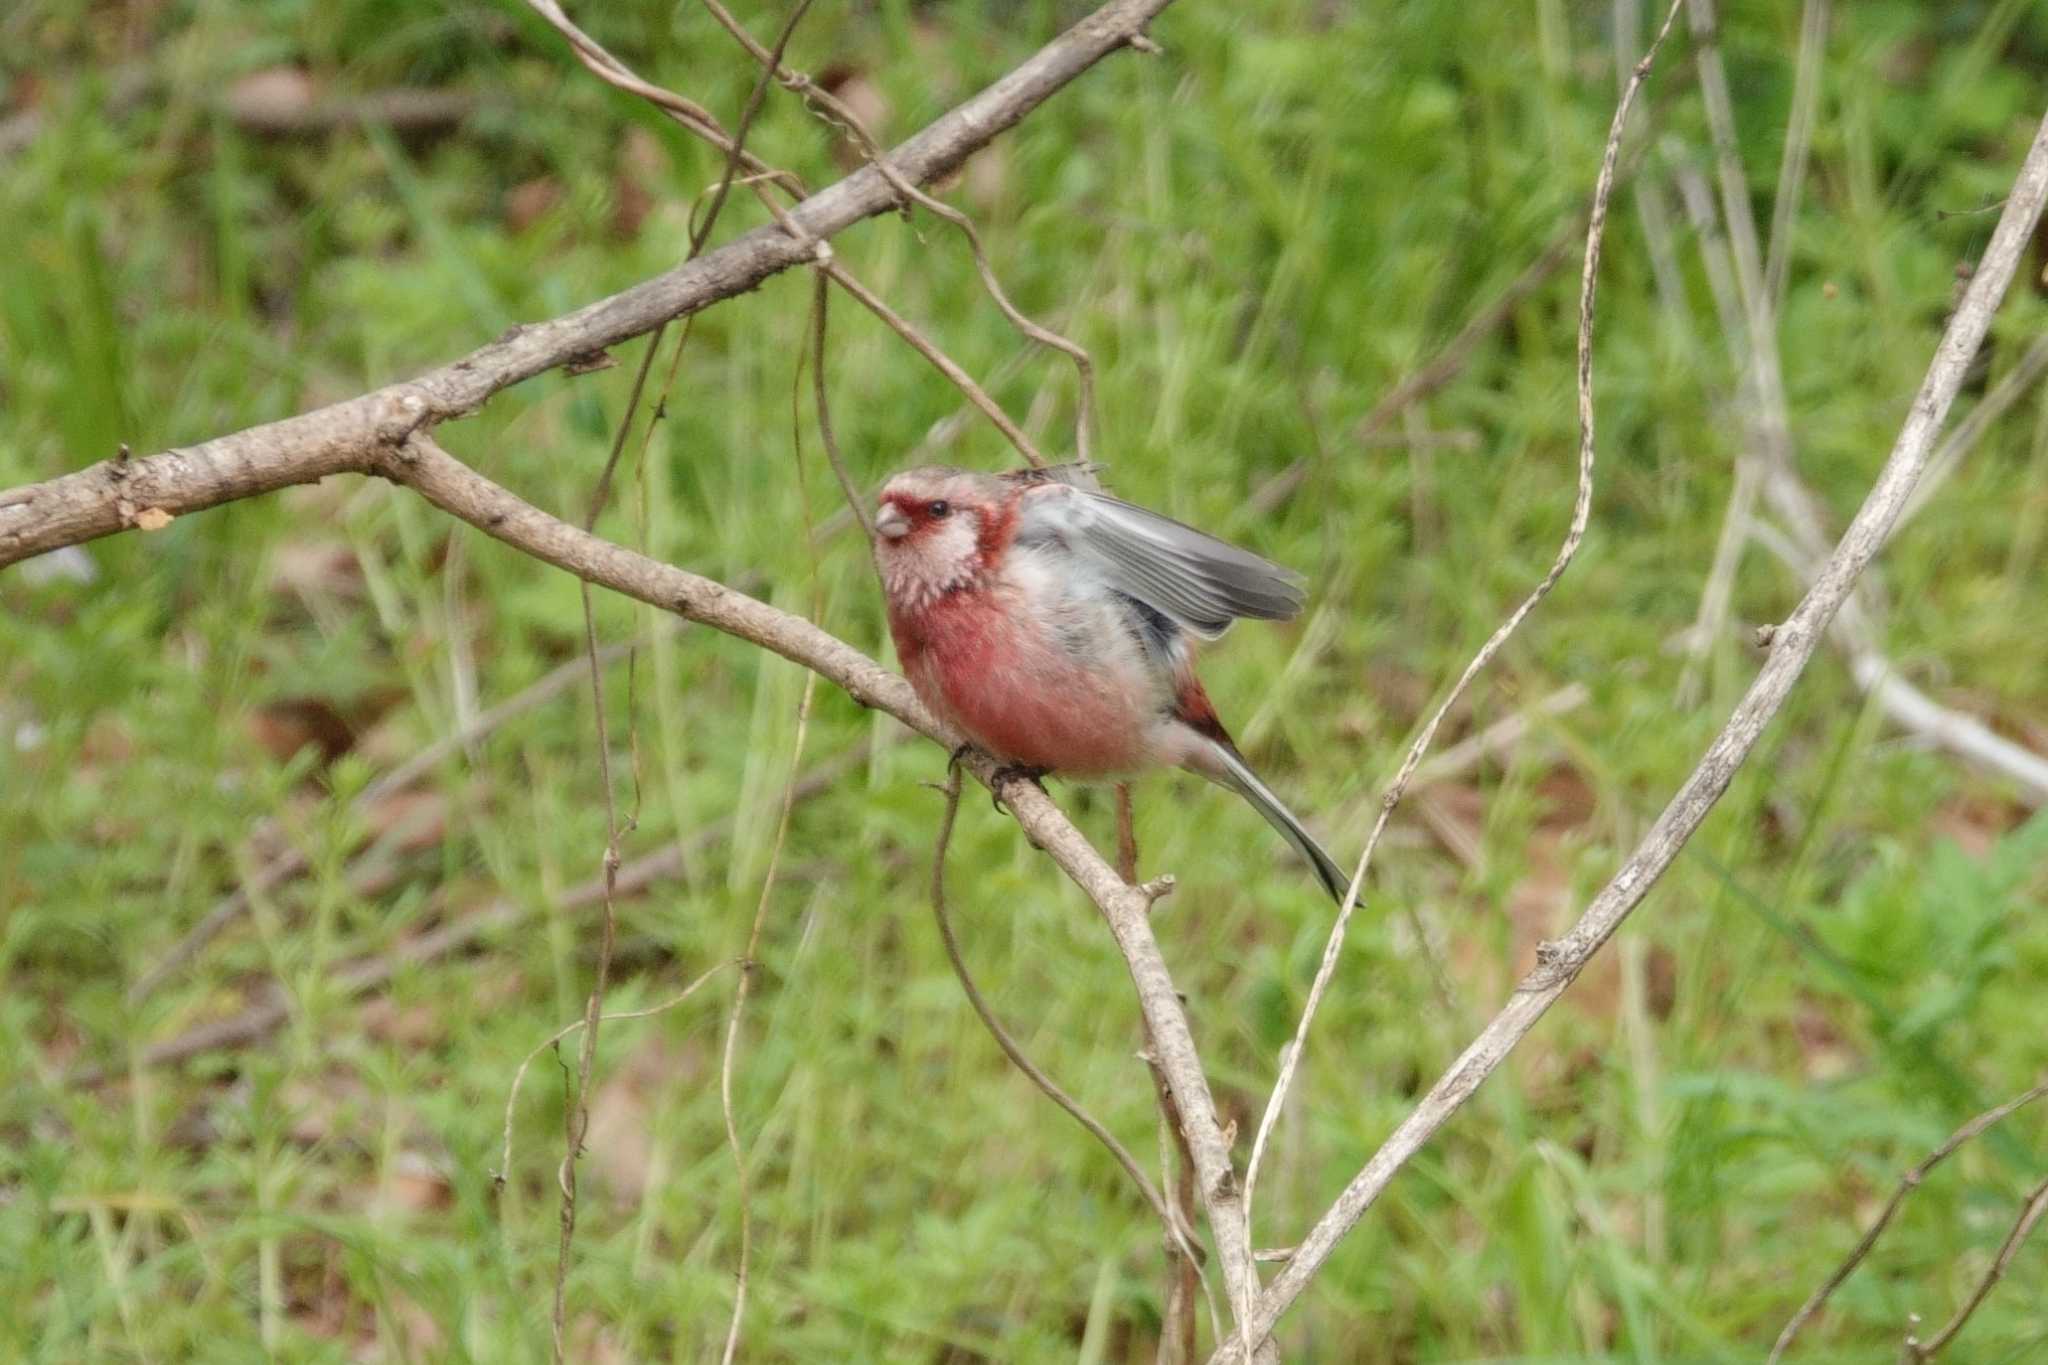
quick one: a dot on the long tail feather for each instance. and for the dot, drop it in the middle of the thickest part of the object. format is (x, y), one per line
(1230, 770)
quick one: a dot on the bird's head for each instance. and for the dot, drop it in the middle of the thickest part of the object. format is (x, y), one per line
(932, 531)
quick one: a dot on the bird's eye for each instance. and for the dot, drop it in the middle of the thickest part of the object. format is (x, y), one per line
(939, 509)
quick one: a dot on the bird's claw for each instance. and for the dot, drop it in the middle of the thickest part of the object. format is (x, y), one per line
(1013, 772)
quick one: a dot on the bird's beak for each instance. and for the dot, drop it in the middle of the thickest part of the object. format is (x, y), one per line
(890, 523)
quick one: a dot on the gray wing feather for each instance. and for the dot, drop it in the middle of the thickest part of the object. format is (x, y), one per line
(1198, 580)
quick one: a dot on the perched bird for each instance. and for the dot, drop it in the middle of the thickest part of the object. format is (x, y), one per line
(1050, 623)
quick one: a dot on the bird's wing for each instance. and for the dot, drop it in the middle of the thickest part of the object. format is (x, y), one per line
(1196, 579)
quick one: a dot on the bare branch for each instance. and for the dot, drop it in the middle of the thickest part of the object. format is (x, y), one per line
(1963, 439)
(941, 362)
(1907, 706)
(352, 435)
(2031, 1210)
(1908, 1183)
(687, 112)
(1559, 962)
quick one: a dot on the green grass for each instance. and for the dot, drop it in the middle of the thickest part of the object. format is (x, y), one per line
(1255, 234)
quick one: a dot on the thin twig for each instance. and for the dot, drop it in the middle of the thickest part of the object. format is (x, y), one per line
(1717, 597)
(701, 123)
(942, 362)
(1795, 640)
(1908, 1183)
(728, 1061)
(359, 433)
(1750, 326)
(1582, 507)
(576, 1118)
(688, 113)
(856, 506)
(2031, 1210)
(836, 111)
(504, 1171)
(1956, 732)
(1177, 1233)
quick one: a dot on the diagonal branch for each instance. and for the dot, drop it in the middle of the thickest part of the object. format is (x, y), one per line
(1908, 1183)
(422, 465)
(108, 496)
(1794, 642)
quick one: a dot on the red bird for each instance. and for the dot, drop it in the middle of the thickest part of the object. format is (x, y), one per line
(1051, 624)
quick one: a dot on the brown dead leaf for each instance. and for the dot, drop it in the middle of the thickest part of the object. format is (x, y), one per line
(1660, 981)
(1976, 822)
(275, 95)
(415, 1184)
(620, 1145)
(1569, 801)
(529, 201)
(307, 567)
(412, 1026)
(642, 169)
(1825, 1054)
(286, 726)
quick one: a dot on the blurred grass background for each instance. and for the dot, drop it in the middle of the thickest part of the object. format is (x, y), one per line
(1256, 234)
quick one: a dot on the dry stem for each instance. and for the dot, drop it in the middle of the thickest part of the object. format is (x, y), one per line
(1908, 1183)
(1582, 507)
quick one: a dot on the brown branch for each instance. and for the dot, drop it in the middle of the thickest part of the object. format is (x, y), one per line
(940, 361)
(1768, 468)
(2031, 1210)
(1794, 642)
(693, 116)
(353, 435)
(1908, 1183)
